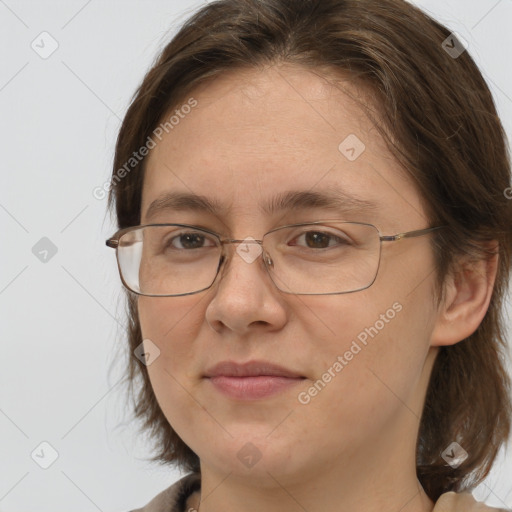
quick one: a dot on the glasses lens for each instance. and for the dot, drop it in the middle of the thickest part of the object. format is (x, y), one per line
(168, 260)
(337, 257)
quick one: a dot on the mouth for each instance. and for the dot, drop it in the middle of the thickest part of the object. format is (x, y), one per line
(252, 380)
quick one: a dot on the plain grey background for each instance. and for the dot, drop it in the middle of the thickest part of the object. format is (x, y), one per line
(62, 317)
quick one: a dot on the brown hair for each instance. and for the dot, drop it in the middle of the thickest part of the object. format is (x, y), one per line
(439, 120)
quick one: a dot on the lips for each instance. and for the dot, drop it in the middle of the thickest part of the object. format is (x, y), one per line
(250, 369)
(251, 381)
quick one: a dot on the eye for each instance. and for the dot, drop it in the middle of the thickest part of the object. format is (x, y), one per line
(320, 240)
(190, 240)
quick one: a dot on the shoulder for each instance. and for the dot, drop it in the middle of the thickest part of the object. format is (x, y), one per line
(462, 502)
(173, 499)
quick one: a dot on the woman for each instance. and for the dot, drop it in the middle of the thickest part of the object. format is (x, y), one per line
(316, 241)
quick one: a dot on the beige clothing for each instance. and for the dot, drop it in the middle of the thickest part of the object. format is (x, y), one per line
(176, 497)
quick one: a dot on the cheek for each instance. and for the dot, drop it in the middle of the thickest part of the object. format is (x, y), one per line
(372, 363)
(172, 324)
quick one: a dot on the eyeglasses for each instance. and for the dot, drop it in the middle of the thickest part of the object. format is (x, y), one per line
(313, 258)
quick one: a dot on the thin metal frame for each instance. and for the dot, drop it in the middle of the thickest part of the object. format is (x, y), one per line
(113, 242)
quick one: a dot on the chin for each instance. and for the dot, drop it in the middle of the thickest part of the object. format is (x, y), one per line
(256, 454)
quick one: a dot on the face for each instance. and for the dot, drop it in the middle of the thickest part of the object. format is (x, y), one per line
(363, 358)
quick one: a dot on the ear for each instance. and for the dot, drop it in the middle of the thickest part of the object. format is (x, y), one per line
(468, 291)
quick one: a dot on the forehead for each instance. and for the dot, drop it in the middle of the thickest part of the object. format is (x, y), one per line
(256, 133)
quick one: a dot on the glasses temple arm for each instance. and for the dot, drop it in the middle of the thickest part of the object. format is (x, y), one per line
(409, 234)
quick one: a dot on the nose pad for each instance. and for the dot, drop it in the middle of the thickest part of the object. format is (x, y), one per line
(265, 256)
(268, 260)
(222, 259)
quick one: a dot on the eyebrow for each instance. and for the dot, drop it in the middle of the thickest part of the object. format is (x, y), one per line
(290, 200)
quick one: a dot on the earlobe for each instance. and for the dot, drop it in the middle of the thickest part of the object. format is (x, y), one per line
(467, 296)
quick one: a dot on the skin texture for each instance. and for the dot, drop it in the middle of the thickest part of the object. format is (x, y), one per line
(252, 135)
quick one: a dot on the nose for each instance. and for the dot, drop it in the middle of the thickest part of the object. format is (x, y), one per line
(244, 296)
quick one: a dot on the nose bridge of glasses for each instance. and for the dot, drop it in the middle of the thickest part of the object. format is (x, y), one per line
(247, 240)
(249, 249)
